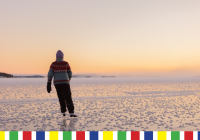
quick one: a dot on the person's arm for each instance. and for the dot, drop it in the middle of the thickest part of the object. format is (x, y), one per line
(50, 76)
(69, 72)
(50, 73)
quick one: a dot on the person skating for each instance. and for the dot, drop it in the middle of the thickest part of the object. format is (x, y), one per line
(62, 74)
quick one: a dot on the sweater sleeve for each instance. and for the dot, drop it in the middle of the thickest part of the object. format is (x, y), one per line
(69, 72)
(50, 73)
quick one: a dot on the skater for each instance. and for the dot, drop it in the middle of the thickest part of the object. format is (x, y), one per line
(62, 74)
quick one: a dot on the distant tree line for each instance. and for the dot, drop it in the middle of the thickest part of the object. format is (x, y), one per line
(6, 75)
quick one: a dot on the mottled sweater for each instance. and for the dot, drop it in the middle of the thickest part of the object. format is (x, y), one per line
(61, 72)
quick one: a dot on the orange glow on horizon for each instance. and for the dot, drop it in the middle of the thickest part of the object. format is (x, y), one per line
(99, 37)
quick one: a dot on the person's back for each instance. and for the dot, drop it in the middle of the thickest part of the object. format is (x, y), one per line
(61, 71)
(62, 74)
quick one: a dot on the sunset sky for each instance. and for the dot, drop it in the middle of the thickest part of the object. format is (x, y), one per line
(133, 37)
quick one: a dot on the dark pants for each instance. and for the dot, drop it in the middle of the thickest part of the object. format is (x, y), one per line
(64, 95)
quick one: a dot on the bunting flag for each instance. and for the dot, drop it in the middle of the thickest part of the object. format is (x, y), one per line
(99, 135)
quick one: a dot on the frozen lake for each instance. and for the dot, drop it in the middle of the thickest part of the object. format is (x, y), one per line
(102, 104)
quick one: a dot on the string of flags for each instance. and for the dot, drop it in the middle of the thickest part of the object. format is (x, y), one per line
(99, 135)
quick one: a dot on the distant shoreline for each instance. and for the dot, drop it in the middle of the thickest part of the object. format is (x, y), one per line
(34, 76)
(5, 75)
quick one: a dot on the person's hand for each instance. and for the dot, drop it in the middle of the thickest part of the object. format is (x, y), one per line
(48, 87)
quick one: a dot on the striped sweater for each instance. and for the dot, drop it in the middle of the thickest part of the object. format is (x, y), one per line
(61, 72)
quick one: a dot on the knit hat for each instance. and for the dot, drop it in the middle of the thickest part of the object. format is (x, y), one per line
(59, 54)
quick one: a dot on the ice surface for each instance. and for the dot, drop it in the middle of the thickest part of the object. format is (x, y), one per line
(103, 104)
